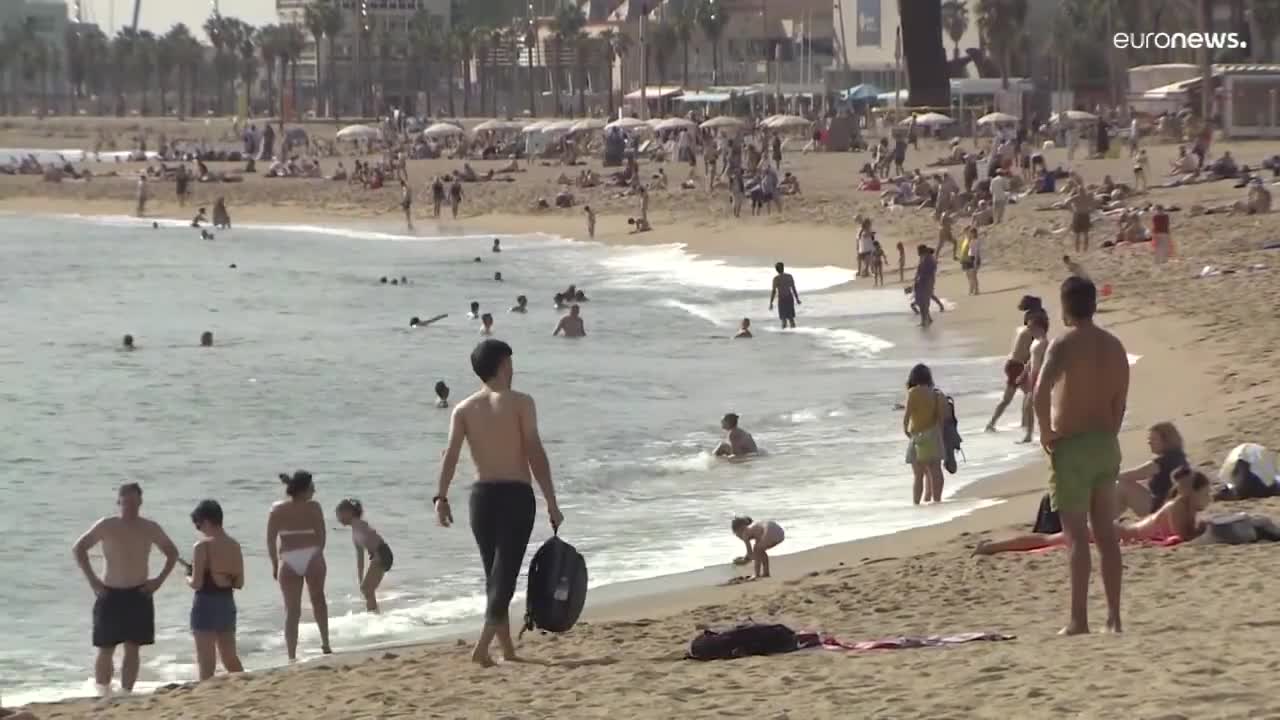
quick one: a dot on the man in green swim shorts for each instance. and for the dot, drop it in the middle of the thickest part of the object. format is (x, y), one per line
(1079, 404)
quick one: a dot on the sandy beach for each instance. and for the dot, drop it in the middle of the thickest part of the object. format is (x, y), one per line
(1198, 618)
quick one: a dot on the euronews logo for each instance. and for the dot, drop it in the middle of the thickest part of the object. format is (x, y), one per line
(1179, 41)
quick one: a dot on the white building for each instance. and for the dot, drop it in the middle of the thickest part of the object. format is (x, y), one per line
(866, 39)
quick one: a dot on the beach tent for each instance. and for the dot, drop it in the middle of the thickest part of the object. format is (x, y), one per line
(1262, 462)
(675, 123)
(929, 119)
(588, 125)
(628, 123)
(440, 130)
(358, 132)
(997, 118)
(723, 122)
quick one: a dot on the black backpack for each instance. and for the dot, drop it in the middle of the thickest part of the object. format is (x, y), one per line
(557, 587)
(743, 641)
(951, 439)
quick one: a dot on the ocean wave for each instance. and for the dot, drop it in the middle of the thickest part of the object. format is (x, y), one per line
(842, 340)
(674, 265)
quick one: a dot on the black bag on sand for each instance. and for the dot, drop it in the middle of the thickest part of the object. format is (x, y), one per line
(1047, 520)
(557, 587)
(743, 641)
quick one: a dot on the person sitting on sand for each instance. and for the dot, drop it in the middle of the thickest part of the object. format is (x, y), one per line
(521, 306)
(737, 442)
(1074, 267)
(339, 173)
(639, 225)
(200, 217)
(511, 167)
(1167, 456)
(442, 394)
(759, 538)
(1257, 200)
(571, 325)
(367, 541)
(1175, 518)
(790, 185)
(744, 330)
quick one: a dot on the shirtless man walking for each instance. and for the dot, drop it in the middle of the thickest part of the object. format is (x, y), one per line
(785, 293)
(571, 325)
(1038, 323)
(1079, 428)
(123, 612)
(1015, 369)
(500, 426)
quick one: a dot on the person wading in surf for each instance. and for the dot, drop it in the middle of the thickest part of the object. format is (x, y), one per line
(785, 293)
(500, 426)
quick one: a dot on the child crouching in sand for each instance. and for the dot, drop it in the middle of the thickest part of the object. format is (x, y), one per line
(759, 538)
(367, 540)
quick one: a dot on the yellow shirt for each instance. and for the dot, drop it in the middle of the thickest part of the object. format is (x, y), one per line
(922, 408)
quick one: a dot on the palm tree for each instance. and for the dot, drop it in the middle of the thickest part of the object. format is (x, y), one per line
(314, 18)
(612, 39)
(955, 20)
(333, 22)
(527, 31)
(424, 50)
(292, 42)
(216, 28)
(583, 49)
(166, 55)
(8, 51)
(1001, 22)
(248, 67)
(712, 18)
(80, 43)
(187, 55)
(479, 39)
(143, 64)
(684, 19)
(268, 39)
(123, 52)
(663, 43)
(460, 35)
(565, 26)
(1264, 17)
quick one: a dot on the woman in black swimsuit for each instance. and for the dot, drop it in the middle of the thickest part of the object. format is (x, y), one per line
(215, 573)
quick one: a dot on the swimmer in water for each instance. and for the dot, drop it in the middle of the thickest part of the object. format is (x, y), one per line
(571, 325)
(497, 245)
(559, 301)
(205, 234)
(199, 218)
(415, 322)
(475, 311)
(744, 330)
(737, 442)
(487, 321)
(497, 277)
(477, 259)
(383, 279)
(404, 280)
(127, 344)
(580, 296)
(395, 281)
(521, 306)
(442, 394)
(206, 339)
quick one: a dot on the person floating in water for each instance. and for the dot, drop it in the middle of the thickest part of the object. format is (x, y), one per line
(737, 442)
(475, 311)
(486, 321)
(206, 339)
(205, 234)
(416, 322)
(367, 540)
(497, 277)
(200, 217)
(759, 538)
(744, 330)
(497, 245)
(383, 280)
(559, 301)
(127, 343)
(521, 306)
(442, 394)
(571, 325)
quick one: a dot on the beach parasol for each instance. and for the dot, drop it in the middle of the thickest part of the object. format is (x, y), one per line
(535, 127)
(558, 126)
(496, 125)
(628, 123)
(1074, 116)
(1262, 462)
(997, 118)
(358, 132)
(443, 130)
(865, 92)
(721, 122)
(780, 122)
(588, 125)
(655, 122)
(929, 119)
(675, 123)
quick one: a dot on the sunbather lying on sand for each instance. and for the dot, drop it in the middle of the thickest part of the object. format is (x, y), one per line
(1177, 517)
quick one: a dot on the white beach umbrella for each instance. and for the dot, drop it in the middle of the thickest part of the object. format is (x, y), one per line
(535, 127)
(1262, 462)
(1074, 116)
(588, 125)
(492, 125)
(443, 130)
(675, 123)
(781, 122)
(655, 122)
(628, 123)
(929, 119)
(559, 126)
(358, 132)
(997, 118)
(721, 122)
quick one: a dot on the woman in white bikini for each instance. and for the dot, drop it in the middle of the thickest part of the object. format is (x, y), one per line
(296, 535)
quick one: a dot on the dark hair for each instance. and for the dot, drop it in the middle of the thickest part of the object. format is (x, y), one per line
(732, 418)
(740, 522)
(207, 511)
(778, 266)
(475, 305)
(521, 299)
(487, 317)
(353, 505)
(297, 483)
(1079, 298)
(920, 375)
(487, 357)
(1199, 481)
(1039, 318)
(1030, 302)
(132, 487)
(441, 387)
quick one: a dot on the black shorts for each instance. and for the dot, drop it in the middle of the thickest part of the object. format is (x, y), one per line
(786, 311)
(123, 616)
(971, 263)
(383, 557)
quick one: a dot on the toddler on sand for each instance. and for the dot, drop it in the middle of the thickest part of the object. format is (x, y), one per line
(759, 538)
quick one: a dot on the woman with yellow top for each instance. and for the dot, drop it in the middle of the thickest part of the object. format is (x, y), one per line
(922, 423)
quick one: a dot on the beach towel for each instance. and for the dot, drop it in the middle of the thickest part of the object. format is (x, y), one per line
(743, 641)
(1165, 542)
(906, 642)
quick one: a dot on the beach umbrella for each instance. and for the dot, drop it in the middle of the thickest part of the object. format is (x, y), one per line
(588, 125)
(358, 132)
(929, 119)
(655, 122)
(535, 127)
(866, 92)
(1074, 116)
(1262, 462)
(628, 123)
(493, 125)
(997, 118)
(440, 130)
(781, 122)
(675, 123)
(721, 122)
(558, 126)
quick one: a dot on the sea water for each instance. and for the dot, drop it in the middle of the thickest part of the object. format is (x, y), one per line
(315, 367)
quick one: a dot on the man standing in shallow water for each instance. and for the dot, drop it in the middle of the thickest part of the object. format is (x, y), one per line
(500, 426)
(1079, 428)
(123, 611)
(784, 291)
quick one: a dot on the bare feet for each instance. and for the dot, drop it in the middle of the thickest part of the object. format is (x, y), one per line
(480, 656)
(990, 428)
(1113, 625)
(1026, 440)
(326, 649)
(1074, 629)
(983, 548)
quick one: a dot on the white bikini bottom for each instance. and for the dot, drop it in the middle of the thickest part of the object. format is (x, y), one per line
(299, 560)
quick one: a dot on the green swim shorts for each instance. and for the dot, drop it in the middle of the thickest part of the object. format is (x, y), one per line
(1081, 464)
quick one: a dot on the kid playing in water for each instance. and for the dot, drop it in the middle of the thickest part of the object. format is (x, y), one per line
(744, 330)
(765, 535)
(366, 540)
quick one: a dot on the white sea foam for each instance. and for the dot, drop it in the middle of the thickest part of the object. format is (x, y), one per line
(673, 265)
(844, 341)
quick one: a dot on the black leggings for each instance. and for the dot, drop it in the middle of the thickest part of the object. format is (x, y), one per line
(501, 520)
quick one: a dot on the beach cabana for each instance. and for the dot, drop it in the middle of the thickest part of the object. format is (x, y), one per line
(358, 132)
(442, 130)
